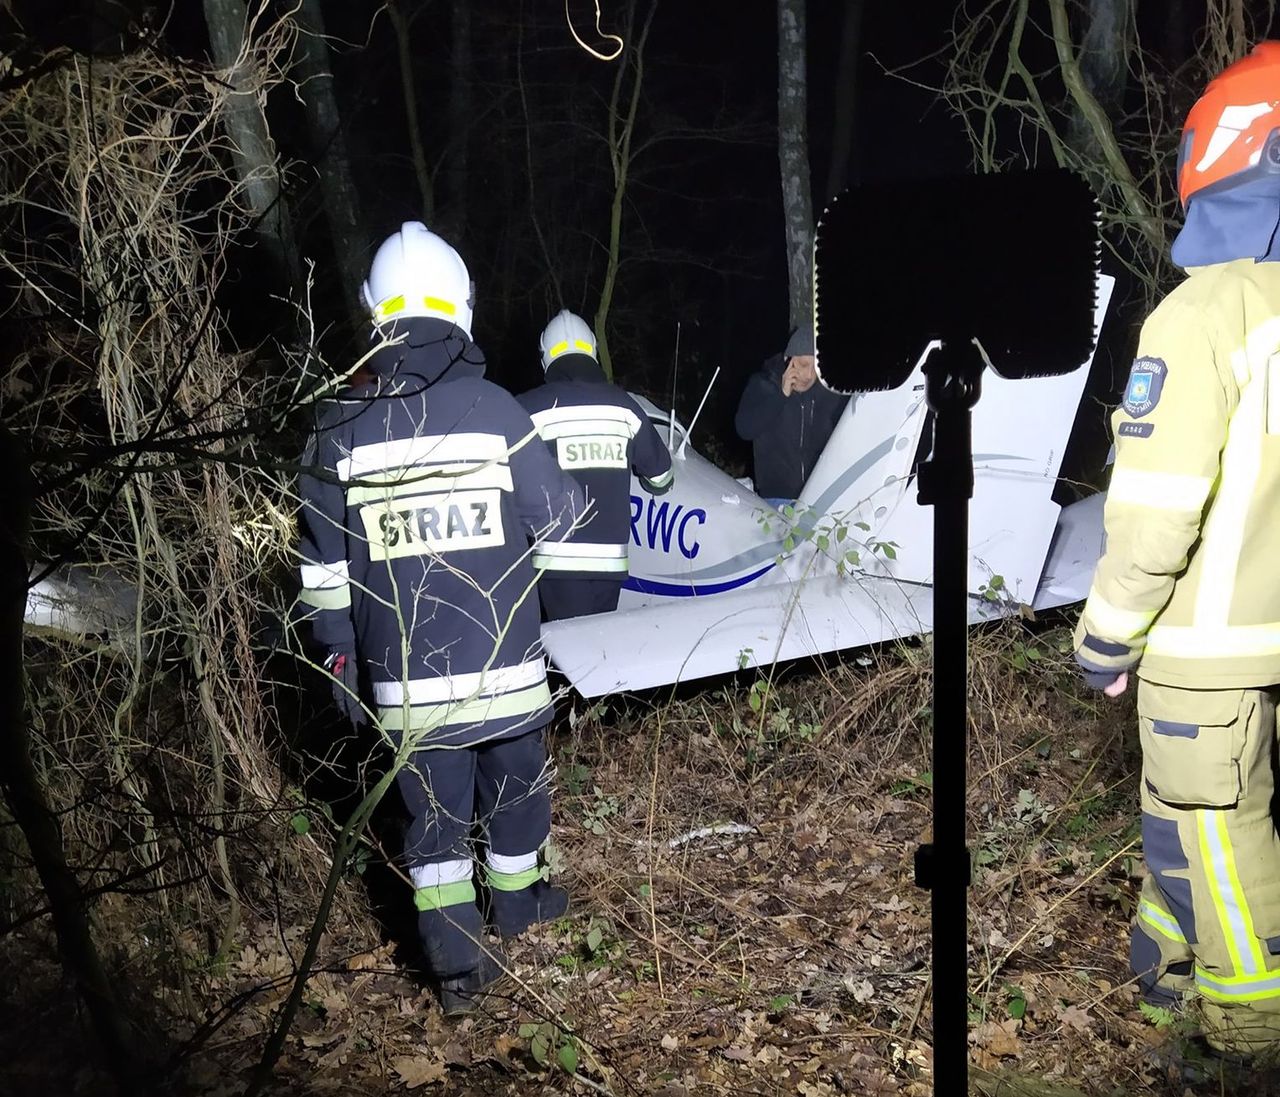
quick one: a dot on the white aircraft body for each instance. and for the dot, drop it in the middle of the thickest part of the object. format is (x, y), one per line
(720, 580)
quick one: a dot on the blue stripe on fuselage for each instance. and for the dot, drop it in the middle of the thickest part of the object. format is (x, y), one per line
(690, 590)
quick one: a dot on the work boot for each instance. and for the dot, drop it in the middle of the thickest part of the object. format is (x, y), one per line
(462, 994)
(516, 911)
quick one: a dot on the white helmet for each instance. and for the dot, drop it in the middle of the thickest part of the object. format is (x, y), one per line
(567, 333)
(415, 273)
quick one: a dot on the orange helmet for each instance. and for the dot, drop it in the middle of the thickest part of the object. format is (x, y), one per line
(1232, 134)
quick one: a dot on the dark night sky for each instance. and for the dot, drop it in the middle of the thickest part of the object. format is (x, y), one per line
(709, 60)
(703, 229)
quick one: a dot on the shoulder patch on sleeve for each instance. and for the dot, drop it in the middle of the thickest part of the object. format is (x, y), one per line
(1146, 380)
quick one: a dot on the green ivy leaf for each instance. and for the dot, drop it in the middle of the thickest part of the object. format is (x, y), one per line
(1017, 1004)
(539, 1048)
(863, 526)
(823, 542)
(595, 938)
(527, 1031)
(888, 549)
(568, 1057)
(300, 823)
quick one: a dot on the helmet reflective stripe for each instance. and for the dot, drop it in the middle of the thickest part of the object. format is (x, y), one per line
(1233, 122)
(566, 333)
(416, 273)
(433, 306)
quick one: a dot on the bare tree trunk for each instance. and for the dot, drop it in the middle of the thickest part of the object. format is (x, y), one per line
(426, 188)
(460, 107)
(1104, 67)
(846, 98)
(1177, 33)
(1104, 132)
(552, 270)
(620, 132)
(26, 798)
(329, 145)
(256, 166)
(793, 159)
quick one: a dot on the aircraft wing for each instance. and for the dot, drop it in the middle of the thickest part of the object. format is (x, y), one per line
(659, 644)
(665, 643)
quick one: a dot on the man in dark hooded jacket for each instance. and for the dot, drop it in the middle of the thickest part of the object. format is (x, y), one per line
(788, 417)
(421, 489)
(598, 434)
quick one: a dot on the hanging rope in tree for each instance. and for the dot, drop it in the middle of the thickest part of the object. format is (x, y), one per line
(607, 37)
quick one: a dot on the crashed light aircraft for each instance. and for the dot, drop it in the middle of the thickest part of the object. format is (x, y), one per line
(720, 580)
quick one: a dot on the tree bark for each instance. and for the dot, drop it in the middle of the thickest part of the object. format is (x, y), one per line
(329, 152)
(1104, 68)
(793, 159)
(1112, 156)
(620, 132)
(254, 153)
(26, 799)
(846, 98)
(408, 88)
(460, 108)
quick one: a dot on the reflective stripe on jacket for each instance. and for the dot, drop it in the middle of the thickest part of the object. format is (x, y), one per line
(598, 434)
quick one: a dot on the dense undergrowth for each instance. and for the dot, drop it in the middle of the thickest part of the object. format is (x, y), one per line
(744, 918)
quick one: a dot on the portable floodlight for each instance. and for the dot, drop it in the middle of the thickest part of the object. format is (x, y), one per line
(990, 270)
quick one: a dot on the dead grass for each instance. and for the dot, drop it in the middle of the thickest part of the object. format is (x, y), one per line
(789, 957)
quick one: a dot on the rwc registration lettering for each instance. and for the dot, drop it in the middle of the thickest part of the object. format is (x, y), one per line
(598, 452)
(427, 525)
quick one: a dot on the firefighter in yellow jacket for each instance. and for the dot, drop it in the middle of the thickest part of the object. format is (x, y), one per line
(1187, 593)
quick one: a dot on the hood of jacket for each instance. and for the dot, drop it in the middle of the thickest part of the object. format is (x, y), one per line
(575, 367)
(774, 367)
(1238, 223)
(426, 348)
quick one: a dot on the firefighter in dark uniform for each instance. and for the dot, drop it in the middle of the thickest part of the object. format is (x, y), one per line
(598, 434)
(421, 490)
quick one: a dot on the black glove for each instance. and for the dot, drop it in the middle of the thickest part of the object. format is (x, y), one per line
(1098, 660)
(345, 682)
(1100, 679)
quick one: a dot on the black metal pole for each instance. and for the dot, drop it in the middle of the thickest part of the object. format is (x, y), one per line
(953, 377)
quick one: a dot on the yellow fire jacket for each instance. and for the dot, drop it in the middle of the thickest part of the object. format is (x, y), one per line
(1188, 589)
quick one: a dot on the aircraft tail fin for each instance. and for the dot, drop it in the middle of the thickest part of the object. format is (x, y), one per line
(1020, 431)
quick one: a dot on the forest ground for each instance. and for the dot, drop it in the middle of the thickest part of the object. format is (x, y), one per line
(783, 951)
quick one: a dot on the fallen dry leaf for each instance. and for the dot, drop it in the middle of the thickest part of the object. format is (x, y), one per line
(670, 1043)
(1076, 1018)
(1000, 1040)
(862, 991)
(419, 1070)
